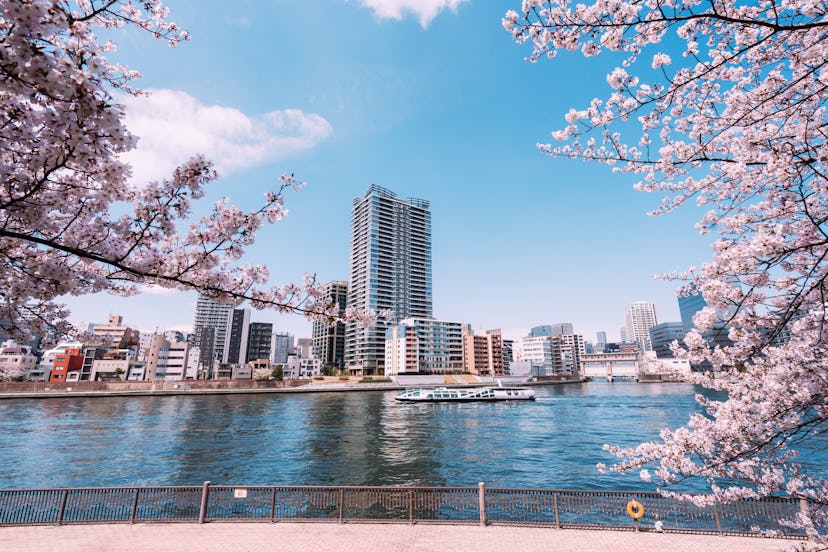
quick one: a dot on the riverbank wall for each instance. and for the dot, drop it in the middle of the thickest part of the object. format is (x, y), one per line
(45, 390)
(40, 389)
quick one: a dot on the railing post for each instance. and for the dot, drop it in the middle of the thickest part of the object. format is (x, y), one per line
(411, 507)
(482, 499)
(134, 505)
(273, 505)
(803, 505)
(557, 519)
(718, 523)
(62, 506)
(341, 504)
(205, 492)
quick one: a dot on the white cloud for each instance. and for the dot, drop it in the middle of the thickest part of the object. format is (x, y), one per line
(157, 290)
(426, 10)
(173, 126)
(186, 328)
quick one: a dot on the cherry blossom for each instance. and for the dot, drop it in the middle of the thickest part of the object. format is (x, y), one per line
(732, 120)
(69, 221)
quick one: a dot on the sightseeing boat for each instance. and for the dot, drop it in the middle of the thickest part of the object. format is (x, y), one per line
(443, 394)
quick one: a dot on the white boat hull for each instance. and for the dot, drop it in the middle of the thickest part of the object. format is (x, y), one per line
(442, 394)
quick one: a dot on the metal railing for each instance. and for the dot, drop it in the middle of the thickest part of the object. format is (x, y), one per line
(456, 505)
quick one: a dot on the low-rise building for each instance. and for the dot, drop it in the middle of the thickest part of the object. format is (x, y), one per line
(554, 355)
(117, 369)
(16, 361)
(301, 368)
(67, 365)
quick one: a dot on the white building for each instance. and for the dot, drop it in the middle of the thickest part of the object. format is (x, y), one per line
(163, 359)
(114, 369)
(639, 317)
(390, 269)
(172, 361)
(402, 351)
(193, 364)
(212, 314)
(438, 345)
(47, 361)
(16, 361)
(555, 355)
(302, 364)
(301, 368)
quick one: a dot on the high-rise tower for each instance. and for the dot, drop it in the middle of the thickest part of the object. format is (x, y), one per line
(212, 314)
(390, 269)
(236, 335)
(329, 341)
(640, 317)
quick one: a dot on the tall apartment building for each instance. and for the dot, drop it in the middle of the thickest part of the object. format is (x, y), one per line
(508, 355)
(202, 345)
(211, 314)
(569, 349)
(424, 346)
(235, 340)
(259, 340)
(483, 353)
(390, 269)
(639, 317)
(329, 341)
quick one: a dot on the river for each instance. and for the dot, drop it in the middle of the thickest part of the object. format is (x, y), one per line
(363, 438)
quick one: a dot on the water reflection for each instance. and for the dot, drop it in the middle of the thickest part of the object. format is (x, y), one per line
(361, 438)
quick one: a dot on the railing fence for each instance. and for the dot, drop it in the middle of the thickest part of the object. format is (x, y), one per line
(463, 505)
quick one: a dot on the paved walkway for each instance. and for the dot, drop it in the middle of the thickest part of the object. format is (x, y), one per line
(327, 537)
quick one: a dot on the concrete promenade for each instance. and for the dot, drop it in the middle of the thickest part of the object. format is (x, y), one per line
(326, 537)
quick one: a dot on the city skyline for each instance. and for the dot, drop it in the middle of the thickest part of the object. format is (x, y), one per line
(520, 239)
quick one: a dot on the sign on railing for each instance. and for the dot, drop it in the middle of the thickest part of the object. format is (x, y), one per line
(467, 505)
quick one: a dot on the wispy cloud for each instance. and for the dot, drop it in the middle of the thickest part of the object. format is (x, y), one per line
(173, 126)
(426, 10)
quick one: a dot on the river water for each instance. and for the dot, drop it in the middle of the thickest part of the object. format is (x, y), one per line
(363, 438)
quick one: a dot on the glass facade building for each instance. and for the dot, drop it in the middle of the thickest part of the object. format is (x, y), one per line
(390, 269)
(329, 341)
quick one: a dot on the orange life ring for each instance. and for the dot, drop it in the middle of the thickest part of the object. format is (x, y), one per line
(635, 510)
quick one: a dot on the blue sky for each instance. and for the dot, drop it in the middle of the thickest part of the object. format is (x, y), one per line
(349, 93)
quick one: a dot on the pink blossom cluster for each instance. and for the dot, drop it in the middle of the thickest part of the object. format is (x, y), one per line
(733, 121)
(62, 181)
